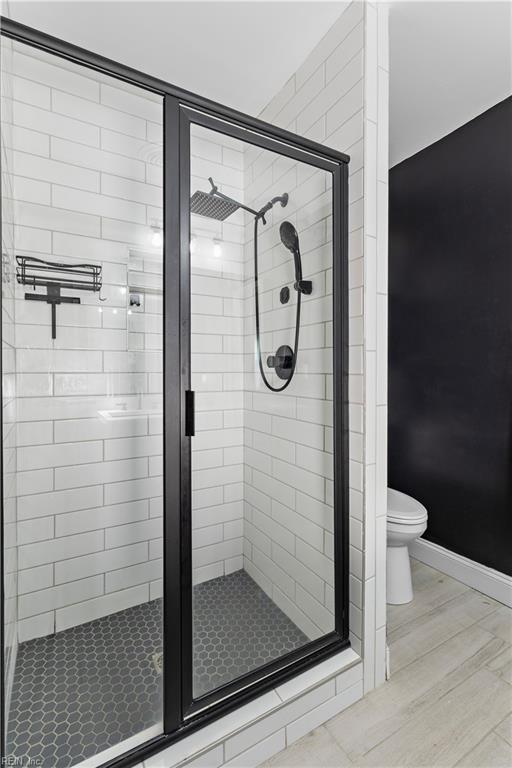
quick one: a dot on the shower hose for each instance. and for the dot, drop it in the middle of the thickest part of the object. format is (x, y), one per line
(257, 312)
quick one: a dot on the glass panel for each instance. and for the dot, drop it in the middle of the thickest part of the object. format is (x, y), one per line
(82, 410)
(262, 457)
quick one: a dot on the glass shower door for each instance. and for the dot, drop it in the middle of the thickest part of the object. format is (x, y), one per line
(262, 466)
(82, 350)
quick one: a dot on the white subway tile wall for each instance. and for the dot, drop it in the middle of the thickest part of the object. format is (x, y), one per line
(81, 158)
(87, 183)
(288, 511)
(217, 362)
(339, 96)
(9, 381)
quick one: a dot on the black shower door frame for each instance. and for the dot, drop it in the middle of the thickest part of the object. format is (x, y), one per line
(182, 713)
(268, 675)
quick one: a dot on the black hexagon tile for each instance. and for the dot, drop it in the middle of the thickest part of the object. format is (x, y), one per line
(90, 687)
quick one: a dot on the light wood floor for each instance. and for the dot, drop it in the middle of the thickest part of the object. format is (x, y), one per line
(449, 699)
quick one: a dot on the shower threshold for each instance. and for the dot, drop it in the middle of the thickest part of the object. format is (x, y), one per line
(95, 686)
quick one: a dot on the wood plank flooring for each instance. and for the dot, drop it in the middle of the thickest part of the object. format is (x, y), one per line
(449, 699)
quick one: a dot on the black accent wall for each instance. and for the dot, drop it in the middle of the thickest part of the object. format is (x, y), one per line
(450, 336)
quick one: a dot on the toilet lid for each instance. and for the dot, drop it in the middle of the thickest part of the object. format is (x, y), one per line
(404, 509)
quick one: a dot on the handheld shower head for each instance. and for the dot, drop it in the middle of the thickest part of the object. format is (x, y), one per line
(290, 240)
(289, 236)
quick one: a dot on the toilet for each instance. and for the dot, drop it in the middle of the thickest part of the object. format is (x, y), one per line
(407, 520)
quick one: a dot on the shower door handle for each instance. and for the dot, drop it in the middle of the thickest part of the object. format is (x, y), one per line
(190, 413)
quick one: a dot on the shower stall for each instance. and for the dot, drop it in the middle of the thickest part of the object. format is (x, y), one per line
(174, 406)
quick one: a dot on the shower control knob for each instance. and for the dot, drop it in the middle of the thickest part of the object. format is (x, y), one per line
(282, 361)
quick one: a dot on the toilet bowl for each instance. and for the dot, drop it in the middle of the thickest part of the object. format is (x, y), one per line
(407, 520)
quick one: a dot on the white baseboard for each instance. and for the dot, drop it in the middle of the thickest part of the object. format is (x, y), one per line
(492, 583)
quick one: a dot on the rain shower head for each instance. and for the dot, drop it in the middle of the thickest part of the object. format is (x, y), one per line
(289, 236)
(207, 204)
(213, 204)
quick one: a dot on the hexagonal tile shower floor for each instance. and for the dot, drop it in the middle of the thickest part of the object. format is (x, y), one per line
(90, 687)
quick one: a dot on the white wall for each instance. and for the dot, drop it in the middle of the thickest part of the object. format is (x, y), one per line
(217, 363)
(288, 518)
(450, 62)
(10, 552)
(87, 185)
(339, 96)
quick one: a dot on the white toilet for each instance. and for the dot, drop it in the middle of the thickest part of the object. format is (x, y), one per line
(407, 520)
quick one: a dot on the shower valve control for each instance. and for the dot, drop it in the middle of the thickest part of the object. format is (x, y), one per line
(284, 295)
(282, 361)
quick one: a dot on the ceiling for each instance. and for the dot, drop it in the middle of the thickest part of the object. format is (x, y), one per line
(449, 61)
(236, 53)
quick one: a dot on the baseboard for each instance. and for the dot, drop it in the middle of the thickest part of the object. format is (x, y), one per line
(492, 583)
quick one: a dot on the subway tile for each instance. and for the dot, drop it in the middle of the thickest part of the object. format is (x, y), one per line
(133, 575)
(300, 526)
(122, 144)
(131, 533)
(34, 481)
(36, 578)
(299, 478)
(211, 534)
(90, 338)
(55, 75)
(131, 490)
(132, 190)
(33, 239)
(212, 477)
(36, 626)
(30, 555)
(100, 472)
(339, 58)
(97, 205)
(323, 712)
(79, 157)
(41, 456)
(256, 733)
(100, 517)
(56, 125)
(274, 488)
(215, 552)
(259, 753)
(216, 513)
(45, 217)
(73, 615)
(315, 560)
(140, 104)
(100, 429)
(56, 172)
(94, 249)
(33, 384)
(52, 360)
(59, 596)
(31, 191)
(133, 447)
(99, 384)
(29, 531)
(55, 503)
(98, 114)
(27, 140)
(83, 566)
